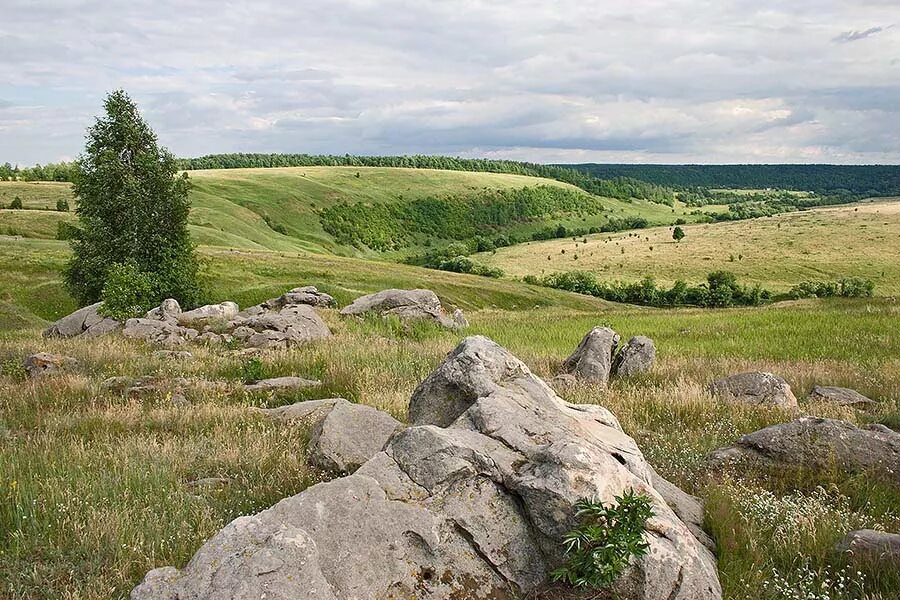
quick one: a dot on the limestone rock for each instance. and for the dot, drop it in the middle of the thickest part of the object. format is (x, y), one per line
(688, 508)
(872, 548)
(86, 322)
(636, 358)
(839, 395)
(296, 324)
(223, 311)
(154, 331)
(279, 384)
(474, 510)
(45, 363)
(593, 358)
(349, 435)
(406, 305)
(755, 388)
(818, 444)
(168, 310)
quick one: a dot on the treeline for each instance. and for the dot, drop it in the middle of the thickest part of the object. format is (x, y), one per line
(63, 171)
(721, 290)
(768, 208)
(623, 188)
(395, 225)
(841, 180)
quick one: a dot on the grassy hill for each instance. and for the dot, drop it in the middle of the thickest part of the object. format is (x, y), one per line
(277, 208)
(777, 252)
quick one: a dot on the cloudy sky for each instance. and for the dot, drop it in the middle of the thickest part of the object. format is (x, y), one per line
(562, 81)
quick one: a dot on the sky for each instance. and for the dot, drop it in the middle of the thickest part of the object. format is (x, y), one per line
(649, 81)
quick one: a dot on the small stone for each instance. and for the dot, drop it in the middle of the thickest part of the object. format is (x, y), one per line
(45, 363)
(756, 388)
(839, 395)
(279, 384)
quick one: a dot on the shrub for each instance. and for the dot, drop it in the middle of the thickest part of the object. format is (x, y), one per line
(128, 292)
(848, 287)
(66, 231)
(16, 204)
(608, 536)
(678, 234)
(62, 205)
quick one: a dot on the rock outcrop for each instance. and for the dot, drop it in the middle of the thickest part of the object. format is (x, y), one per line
(592, 360)
(818, 444)
(162, 332)
(224, 311)
(635, 358)
(756, 388)
(406, 305)
(45, 363)
(281, 384)
(872, 548)
(476, 509)
(85, 322)
(300, 295)
(839, 395)
(293, 325)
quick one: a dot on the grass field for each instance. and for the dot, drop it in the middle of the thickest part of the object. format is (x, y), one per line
(861, 240)
(96, 488)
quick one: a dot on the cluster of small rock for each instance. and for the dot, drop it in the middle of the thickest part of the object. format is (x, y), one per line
(595, 359)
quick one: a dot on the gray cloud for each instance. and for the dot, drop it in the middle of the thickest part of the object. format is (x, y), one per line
(854, 36)
(690, 80)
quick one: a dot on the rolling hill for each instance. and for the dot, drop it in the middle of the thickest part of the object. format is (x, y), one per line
(859, 240)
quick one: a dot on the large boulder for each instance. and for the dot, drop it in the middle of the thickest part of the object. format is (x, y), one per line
(872, 548)
(406, 305)
(293, 325)
(85, 322)
(224, 311)
(161, 332)
(593, 358)
(636, 358)
(281, 384)
(308, 294)
(811, 443)
(474, 510)
(756, 388)
(46, 363)
(839, 395)
(343, 435)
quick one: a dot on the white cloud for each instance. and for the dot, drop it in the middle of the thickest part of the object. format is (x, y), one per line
(659, 80)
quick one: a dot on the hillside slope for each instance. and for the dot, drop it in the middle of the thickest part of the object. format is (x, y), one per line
(277, 208)
(778, 252)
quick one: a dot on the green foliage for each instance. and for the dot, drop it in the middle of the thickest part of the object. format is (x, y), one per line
(607, 538)
(848, 287)
(252, 370)
(128, 292)
(66, 231)
(62, 205)
(678, 234)
(391, 226)
(720, 290)
(132, 208)
(16, 204)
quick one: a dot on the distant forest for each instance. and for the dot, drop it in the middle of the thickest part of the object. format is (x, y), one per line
(826, 180)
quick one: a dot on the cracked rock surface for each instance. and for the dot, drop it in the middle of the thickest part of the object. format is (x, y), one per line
(471, 501)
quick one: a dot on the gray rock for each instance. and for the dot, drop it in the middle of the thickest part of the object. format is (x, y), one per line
(168, 310)
(280, 384)
(636, 358)
(688, 508)
(85, 322)
(181, 355)
(242, 332)
(294, 325)
(474, 510)
(756, 388)
(349, 435)
(213, 339)
(839, 395)
(872, 548)
(308, 294)
(45, 363)
(224, 311)
(148, 386)
(406, 305)
(154, 331)
(310, 412)
(817, 444)
(593, 358)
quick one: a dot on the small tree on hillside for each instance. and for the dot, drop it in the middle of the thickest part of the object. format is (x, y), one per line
(132, 210)
(678, 234)
(16, 203)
